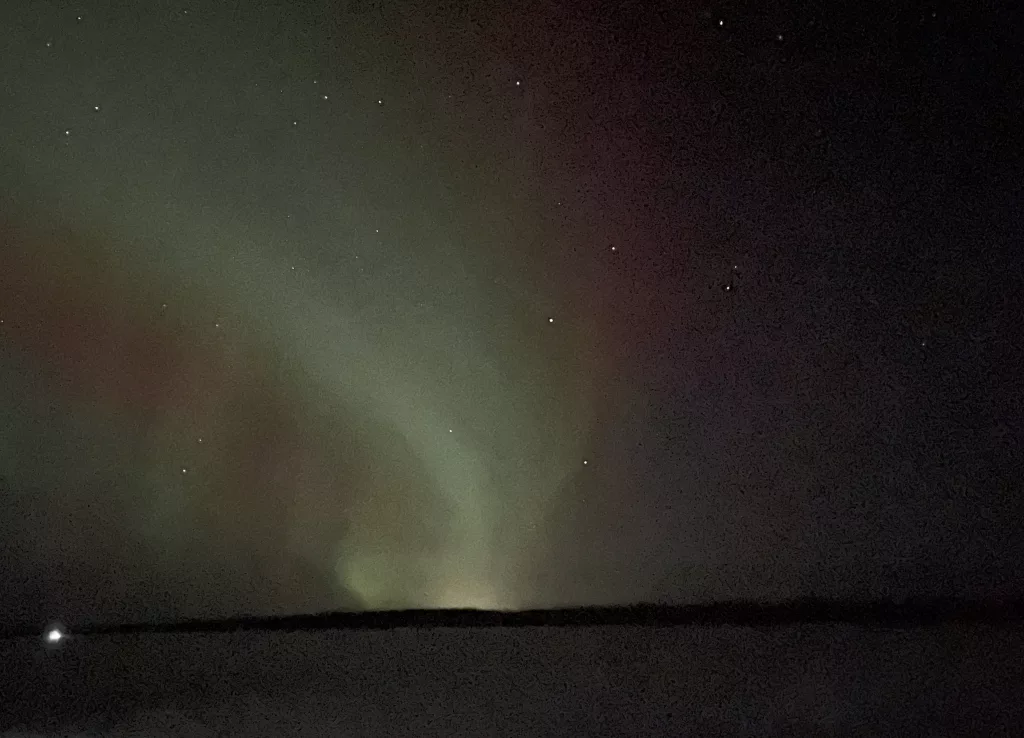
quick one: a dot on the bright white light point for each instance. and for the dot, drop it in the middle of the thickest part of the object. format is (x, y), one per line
(295, 122)
(376, 230)
(95, 107)
(614, 248)
(450, 430)
(721, 23)
(53, 635)
(517, 83)
(551, 320)
(184, 470)
(779, 37)
(49, 44)
(585, 462)
(200, 440)
(380, 102)
(325, 97)
(67, 133)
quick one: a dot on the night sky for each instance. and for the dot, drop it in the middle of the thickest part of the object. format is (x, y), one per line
(316, 305)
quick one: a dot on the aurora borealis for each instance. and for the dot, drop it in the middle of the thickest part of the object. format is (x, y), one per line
(350, 305)
(285, 347)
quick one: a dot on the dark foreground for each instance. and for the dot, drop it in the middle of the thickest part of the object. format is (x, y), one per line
(800, 669)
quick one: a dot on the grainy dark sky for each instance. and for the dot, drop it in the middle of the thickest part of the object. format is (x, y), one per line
(360, 304)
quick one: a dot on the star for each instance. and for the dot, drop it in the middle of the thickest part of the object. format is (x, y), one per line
(614, 248)
(585, 462)
(551, 320)
(517, 83)
(721, 23)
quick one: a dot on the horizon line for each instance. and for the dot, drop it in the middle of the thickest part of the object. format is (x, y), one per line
(909, 613)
